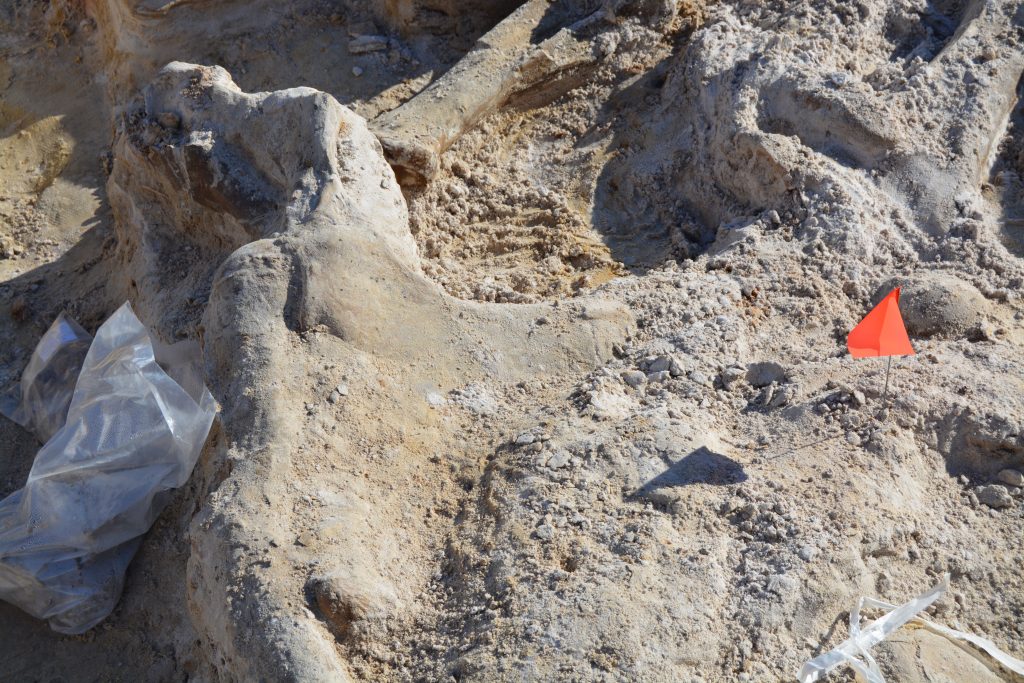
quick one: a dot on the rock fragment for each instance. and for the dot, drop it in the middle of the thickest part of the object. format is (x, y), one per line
(1011, 477)
(634, 378)
(994, 496)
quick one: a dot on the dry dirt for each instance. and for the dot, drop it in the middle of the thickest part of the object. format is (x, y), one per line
(527, 326)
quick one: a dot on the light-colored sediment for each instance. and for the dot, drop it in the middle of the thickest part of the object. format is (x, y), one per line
(567, 397)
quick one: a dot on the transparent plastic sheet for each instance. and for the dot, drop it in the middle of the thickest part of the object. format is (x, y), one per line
(862, 639)
(134, 431)
(39, 402)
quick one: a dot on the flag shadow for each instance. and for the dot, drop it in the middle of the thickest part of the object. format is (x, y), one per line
(701, 466)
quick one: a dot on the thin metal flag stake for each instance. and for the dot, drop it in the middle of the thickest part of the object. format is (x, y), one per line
(885, 393)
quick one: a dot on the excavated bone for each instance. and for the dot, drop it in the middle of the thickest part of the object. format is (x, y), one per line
(300, 229)
(504, 62)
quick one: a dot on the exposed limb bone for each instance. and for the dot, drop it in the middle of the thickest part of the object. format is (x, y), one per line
(505, 62)
(329, 253)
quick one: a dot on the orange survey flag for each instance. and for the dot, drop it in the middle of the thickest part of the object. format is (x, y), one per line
(881, 332)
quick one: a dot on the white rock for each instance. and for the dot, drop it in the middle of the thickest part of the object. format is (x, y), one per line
(995, 496)
(634, 378)
(525, 439)
(559, 460)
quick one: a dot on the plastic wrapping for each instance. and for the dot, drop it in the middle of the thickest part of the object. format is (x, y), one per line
(857, 646)
(134, 431)
(39, 403)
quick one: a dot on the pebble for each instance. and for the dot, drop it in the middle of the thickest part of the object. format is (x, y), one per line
(1011, 477)
(525, 439)
(357, 71)
(807, 553)
(559, 460)
(656, 377)
(341, 390)
(731, 376)
(634, 378)
(545, 532)
(660, 364)
(699, 377)
(995, 496)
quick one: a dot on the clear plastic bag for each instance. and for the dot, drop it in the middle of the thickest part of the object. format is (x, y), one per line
(134, 431)
(39, 403)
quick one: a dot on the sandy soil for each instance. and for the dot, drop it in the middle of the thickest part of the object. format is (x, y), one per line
(527, 324)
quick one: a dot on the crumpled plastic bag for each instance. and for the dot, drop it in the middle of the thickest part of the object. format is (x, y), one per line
(39, 403)
(134, 431)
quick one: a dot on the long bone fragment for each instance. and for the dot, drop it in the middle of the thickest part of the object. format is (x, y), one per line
(504, 62)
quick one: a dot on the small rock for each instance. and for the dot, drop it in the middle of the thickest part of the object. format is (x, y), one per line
(559, 460)
(525, 439)
(660, 364)
(634, 378)
(731, 375)
(1011, 477)
(545, 532)
(857, 398)
(852, 438)
(342, 389)
(435, 399)
(655, 377)
(807, 553)
(8, 247)
(357, 71)
(699, 377)
(995, 496)
(763, 374)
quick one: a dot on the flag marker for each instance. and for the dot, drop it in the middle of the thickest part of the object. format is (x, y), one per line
(881, 333)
